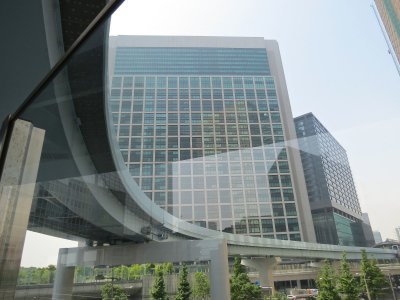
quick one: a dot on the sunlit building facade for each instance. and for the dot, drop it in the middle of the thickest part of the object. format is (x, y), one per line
(202, 124)
(389, 12)
(336, 211)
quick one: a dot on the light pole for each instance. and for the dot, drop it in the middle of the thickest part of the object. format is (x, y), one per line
(391, 287)
(365, 283)
(112, 283)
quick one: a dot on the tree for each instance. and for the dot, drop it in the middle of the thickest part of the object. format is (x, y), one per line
(279, 296)
(52, 270)
(347, 283)
(136, 271)
(149, 268)
(168, 268)
(121, 272)
(184, 290)
(158, 291)
(201, 288)
(241, 286)
(327, 283)
(44, 275)
(371, 276)
(111, 291)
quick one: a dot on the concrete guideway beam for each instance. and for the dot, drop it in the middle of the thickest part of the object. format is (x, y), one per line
(252, 247)
(17, 187)
(214, 251)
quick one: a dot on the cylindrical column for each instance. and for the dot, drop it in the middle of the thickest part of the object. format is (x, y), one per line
(63, 283)
(64, 280)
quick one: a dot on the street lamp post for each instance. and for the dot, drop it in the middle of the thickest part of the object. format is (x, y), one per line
(365, 283)
(391, 287)
(112, 283)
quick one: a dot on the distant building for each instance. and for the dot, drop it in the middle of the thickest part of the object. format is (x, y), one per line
(389, 12)
(377, 237)
(389, 244)
(336, 211)
(365, 218)
(398, 233)
(368, 235)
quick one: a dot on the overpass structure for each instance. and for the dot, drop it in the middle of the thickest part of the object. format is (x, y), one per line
(83, 189)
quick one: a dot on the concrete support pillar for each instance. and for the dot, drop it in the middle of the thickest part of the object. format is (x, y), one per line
(215, 251)
(298, 283)
(264, 267)
(219, 272)
(17, 186)
(64, 280)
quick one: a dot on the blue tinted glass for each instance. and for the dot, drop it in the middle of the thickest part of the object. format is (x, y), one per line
(199, 61)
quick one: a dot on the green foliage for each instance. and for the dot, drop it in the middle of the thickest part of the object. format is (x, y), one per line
(279, 296)
(348, 285)
(84, 274)
(241, 286)
(34, 275)
(121, 272)
(158, 291)
(158, 268)
(51, 268)
(184, 290)
(136, 271)
(168, 268)
(327, 283)
(201, 289)
(113, 292)
(149, 269)
(371, 276)
(237, 267)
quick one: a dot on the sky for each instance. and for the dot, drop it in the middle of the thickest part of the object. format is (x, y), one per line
(336, 65)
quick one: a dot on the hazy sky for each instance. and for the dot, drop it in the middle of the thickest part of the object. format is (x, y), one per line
(336, 65)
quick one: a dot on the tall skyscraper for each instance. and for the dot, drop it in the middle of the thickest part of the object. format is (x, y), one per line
(202, 124)
(332, 194)
(389, 12)
(377, 237)
(398, 233)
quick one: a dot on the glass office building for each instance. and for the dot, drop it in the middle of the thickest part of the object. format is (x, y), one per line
(202, 128)
(333, 198)
(389, 13)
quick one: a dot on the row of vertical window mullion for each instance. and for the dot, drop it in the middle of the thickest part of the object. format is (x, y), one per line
(248, 227)
(268, 82)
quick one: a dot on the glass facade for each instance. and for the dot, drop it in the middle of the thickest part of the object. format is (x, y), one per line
(335, 227)
(191, 61)
(209, 148)
(330, 186)
(389, 11)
